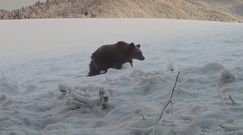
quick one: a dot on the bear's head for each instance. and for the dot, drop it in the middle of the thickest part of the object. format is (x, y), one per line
(135, 52)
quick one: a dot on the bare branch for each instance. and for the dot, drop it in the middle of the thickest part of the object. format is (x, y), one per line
(232, 100)
(141, 114)
(170, 99)
(222, 126)
(171, 111)
(166, 105)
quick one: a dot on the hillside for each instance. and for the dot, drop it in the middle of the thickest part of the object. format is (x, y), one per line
(176, 9)
(233, 6)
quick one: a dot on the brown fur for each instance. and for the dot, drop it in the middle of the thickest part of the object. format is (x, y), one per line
(114, 56)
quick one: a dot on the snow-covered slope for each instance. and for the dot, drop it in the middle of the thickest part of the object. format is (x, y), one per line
(38, 58)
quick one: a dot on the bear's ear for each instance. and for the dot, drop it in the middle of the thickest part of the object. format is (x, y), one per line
(138, 46)
(131, 47)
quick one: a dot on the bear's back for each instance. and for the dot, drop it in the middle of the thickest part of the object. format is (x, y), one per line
(111, 51)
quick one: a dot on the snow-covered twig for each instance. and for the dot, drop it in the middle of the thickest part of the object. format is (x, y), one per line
(169, 102)
(4, 78)
(170, 99)
(225, 78)
(85, 100)
(232, 100)
(142, 115)
(104, 97)
(80, 99)
(229, 128)
(220, 96)
(171, 111)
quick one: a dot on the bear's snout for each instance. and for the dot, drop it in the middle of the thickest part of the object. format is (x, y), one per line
(142, 58)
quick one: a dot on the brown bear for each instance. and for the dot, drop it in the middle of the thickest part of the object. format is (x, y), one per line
(114, 56)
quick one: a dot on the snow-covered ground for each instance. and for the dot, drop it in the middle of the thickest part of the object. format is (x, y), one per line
(38, 58)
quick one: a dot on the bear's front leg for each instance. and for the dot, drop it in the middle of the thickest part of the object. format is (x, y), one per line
(130, 61)
(93, 69)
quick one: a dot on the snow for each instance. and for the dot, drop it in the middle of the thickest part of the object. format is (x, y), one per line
(41, 59)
